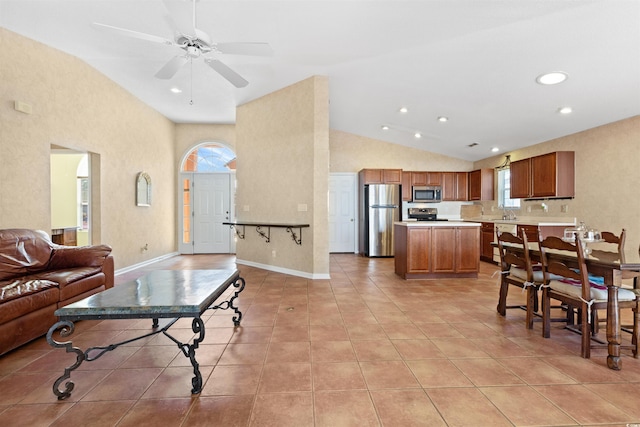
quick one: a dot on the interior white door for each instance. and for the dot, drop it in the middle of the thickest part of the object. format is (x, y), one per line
(342, 213)
(211, 204)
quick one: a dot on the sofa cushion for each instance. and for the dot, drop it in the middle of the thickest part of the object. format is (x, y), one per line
(70, 275)
(22, 297)
(23, 252)
(64, 257)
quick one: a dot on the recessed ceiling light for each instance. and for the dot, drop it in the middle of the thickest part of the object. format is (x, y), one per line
(176, 90)
(443, 119)
(404, 110)
(552, 78)
(565, 110)
(495, 149)
(385, 127)
(417, 135)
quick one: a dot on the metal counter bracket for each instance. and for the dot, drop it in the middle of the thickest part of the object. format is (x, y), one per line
(260, 226)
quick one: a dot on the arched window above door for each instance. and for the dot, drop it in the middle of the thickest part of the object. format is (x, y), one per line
(210, 157)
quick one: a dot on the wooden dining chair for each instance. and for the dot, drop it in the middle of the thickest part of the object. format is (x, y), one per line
(618, 240)
(574, 289)
(517, 270)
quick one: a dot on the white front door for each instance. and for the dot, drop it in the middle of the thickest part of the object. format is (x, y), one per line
(342, 213)
(211, 207)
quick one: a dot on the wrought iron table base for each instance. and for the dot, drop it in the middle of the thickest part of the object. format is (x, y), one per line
(67, 328)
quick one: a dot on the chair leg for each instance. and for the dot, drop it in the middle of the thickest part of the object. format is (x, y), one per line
(532, 299)
(546, 313)
(586, 332)
(636, 333)
(502, 301)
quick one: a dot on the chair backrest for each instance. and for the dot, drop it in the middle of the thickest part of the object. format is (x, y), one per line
(514, 250)
(609, 237)
(553, 266)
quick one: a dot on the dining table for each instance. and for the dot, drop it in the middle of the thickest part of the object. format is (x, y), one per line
(613, 267)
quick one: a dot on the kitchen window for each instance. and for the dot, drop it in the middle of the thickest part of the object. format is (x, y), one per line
(504, 190)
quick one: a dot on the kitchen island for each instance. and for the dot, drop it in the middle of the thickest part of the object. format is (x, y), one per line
(436, 249)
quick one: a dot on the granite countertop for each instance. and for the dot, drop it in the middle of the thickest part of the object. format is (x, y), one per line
(539, 221)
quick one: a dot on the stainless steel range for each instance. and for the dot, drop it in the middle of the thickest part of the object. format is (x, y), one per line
(424, 214)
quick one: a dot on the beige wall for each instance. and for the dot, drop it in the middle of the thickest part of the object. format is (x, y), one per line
(607, 177)
(75, 106)
(350, 153)
(282, 145)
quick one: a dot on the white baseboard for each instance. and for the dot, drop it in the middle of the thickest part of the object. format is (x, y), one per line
(277, 269)
(145, 263)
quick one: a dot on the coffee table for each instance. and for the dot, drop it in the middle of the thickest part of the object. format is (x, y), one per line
(160, 294)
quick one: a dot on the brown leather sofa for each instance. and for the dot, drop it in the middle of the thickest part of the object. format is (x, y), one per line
(38, 276)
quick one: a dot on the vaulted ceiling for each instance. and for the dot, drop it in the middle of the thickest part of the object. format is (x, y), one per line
(472, 61)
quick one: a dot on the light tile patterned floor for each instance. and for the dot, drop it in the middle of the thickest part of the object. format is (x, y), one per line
(362, 349)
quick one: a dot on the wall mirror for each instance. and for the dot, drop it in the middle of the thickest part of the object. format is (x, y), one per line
(143, 189)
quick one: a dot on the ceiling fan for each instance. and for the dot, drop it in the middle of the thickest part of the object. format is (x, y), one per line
(195, 44)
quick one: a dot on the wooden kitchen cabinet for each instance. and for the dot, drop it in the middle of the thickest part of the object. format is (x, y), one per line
(443, 250)
(406, 186)
(425, 251)
(392, 176)
(550, 175)
(520, 179)
(530, 230)
(467, 242)
(487, 233)
(418, 178)
(454, 186)
(417, 256)
(481, 184)
(380, 176)
(434, 178)
(553, 175)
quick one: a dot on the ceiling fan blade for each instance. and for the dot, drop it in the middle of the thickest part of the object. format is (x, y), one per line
(183, 18)
(171, 67)
(234, 78)
(134, 34)
(248, 48)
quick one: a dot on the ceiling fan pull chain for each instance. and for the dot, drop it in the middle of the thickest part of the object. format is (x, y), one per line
(191, 89)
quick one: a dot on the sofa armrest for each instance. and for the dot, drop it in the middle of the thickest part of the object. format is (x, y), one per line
(78, 256)
(109, 272)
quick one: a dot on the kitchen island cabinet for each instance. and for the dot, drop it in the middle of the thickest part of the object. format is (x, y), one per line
(426, 250)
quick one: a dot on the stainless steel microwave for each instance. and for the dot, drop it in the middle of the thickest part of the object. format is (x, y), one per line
(426, 194)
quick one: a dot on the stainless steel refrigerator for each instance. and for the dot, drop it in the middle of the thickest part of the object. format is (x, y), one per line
(382, 208)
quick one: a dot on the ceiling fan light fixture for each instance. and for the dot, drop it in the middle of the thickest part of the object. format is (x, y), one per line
(552, 78)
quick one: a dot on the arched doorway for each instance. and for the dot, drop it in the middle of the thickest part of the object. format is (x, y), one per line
(207, 199)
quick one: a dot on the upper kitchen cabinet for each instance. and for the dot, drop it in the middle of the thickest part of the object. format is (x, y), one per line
(454, 186)
(406, 187)
(418, 178)
(544, 176)
(380, 176)
(520, 179)
(481, 184)
(434, 178)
